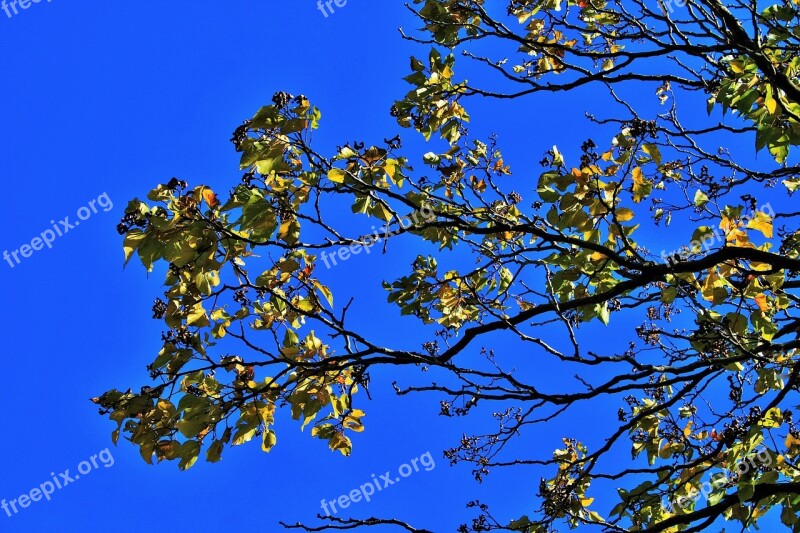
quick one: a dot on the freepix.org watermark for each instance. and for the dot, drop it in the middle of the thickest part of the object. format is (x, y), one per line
(345, 252)
(670, 5)
(716, 236)
(48, 236)
(378, 483)
(326, 6)
(48, 488)
(760, 458)
(10, 6)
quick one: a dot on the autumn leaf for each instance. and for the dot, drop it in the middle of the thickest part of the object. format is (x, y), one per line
(210, 197)
(761, 222)
(761, 300)
(624, 214)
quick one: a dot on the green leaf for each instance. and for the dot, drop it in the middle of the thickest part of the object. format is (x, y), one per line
(188, 452)
(520, 524)
(326, 292)
(269, 440)
(654, 153)
(133, 239)
(558, 159)
(603, 313)
(669, 294)
(700, 198)
(745, 491)
(244, 435)
(191, 427)
(214, 452)
(294, 125)
(505, 280)
(290, 338)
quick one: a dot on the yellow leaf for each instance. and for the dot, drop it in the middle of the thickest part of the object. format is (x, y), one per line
(772, 105)
(289, 231)
(305, 305)
(761, 222)
(197, 316)
(726, 224)
(390, 168)
(641, 186)
(336, 175)
(653, 151)
(773, 418)
(624, 214)
(761, 300)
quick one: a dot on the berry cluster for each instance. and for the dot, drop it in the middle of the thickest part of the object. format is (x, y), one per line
(130, 221)
(394, 143)
(240, 134)
(432, 347)
(159, 308)
(282, 99)
(651, 336)
(247, 178)
(174, 184)
(588, 156)
(181, 335)
(240, 296)
(655, 391)
(194, 391)
(642, 128)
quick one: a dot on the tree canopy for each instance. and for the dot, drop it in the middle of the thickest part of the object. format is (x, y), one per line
(704, 391)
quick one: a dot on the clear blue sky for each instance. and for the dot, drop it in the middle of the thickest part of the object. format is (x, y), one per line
(111, 97)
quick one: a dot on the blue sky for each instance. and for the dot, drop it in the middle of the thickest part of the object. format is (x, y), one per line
(105, 100)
